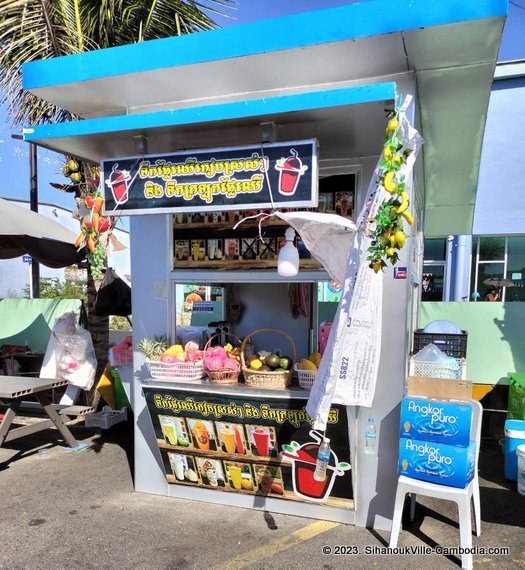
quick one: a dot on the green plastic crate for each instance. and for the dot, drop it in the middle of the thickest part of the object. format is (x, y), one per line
(516, 406)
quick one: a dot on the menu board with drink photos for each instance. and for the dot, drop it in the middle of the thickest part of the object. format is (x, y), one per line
(251, 445)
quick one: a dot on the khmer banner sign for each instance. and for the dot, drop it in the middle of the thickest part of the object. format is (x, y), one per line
(263, 446)
(281, 175)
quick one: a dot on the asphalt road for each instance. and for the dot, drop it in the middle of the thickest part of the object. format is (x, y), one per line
(65, 510)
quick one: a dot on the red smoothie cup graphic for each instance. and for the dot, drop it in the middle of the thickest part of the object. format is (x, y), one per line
(118, 182)
(304, 458)
(291, 169)
(262, 441)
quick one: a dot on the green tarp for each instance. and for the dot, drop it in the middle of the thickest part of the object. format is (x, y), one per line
(30, 321)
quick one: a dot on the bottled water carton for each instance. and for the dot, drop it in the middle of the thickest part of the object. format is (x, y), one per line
(437, 462)
(438, 421)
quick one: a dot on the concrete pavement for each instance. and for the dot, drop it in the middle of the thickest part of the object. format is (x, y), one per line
(78, 510)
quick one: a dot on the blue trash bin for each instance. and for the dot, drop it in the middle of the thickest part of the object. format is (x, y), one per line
(514, 436)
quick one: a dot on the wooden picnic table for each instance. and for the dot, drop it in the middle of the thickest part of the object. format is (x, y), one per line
(14, 389)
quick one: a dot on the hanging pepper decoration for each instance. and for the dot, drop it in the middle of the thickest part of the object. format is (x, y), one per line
(388, 235)
(94, 225)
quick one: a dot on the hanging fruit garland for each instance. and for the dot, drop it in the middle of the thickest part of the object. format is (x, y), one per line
(95, 228)
(388, 235)
(92, 235)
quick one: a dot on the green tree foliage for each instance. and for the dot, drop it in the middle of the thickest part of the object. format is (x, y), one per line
(53, 288)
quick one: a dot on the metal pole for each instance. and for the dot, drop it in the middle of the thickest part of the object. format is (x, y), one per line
(33, 204)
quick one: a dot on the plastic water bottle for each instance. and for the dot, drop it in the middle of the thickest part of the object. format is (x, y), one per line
(370, 437)
(323, 458)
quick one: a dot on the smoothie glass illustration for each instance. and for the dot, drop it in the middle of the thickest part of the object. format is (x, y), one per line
(169, 430)
(228, 437)
(202, 437)
(195, 251)
(211, 474)
(177, 466)
(265, 481)
(118, 182)
(235, 476)
(231, 249)
(304, 459)
(179, 250)
(290, 171)
(262, 441)
(212, 246)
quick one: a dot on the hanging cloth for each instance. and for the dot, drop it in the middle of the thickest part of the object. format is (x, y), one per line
(348, 373)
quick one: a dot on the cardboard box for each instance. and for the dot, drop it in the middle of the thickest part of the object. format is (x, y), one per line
(437, 462)
(440, 388)
(438, 421)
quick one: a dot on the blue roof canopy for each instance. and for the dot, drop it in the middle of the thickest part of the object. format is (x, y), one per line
(324, 74)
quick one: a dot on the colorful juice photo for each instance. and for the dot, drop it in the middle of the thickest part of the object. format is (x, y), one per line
(231, 438)
(269, 480)
(262, 440)
(203, 434)
(228, 439)
(211, 471)
(239, 476)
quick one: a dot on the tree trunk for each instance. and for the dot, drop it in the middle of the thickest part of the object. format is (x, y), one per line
(99, 329)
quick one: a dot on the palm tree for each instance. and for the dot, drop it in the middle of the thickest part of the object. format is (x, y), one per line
(33, 30)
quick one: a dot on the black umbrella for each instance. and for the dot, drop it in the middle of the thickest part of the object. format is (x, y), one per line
(23, 232)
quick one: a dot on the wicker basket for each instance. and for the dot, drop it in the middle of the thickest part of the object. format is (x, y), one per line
(223, 375)
(176, 372)
(267, 379)
(122, 356)
(306, 377)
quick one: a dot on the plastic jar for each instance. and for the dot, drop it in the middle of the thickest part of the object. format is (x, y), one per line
(520, 453)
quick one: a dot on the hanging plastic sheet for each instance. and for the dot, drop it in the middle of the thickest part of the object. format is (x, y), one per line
(70, 354)
(348, 372)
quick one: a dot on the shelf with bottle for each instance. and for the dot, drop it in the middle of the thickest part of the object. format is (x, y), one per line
(222, 220)
(235, 253)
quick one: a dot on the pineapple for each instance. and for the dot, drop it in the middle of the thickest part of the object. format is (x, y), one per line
(153, 349)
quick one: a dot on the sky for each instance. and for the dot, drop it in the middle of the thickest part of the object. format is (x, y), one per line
(14, 154)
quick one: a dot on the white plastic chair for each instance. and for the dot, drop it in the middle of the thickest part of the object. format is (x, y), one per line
(462, 497)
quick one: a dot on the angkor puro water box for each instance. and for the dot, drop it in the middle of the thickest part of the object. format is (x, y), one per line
(437, 462)
(437, 421)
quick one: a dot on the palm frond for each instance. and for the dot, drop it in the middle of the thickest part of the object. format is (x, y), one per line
(32, 30)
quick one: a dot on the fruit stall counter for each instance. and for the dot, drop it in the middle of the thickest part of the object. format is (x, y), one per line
(255, 447)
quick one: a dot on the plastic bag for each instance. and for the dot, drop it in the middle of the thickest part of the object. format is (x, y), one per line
(70, 354)
(113, 296)
(430, 353)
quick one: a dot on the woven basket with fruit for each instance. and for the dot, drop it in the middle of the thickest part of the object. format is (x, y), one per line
(268, 370)
(175, 362)
(222, 363)
(306, 370)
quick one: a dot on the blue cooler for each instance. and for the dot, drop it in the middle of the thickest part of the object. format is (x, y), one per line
(514, 436)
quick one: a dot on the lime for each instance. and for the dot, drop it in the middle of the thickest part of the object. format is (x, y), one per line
(285, 362)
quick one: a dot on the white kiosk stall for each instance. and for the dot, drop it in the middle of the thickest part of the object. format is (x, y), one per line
(325, 76)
